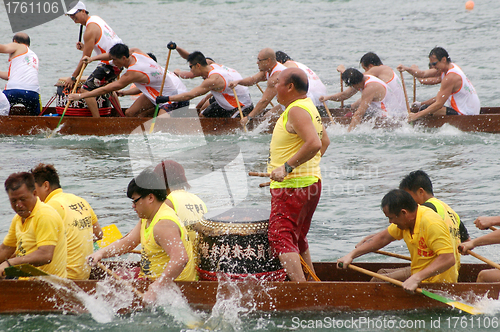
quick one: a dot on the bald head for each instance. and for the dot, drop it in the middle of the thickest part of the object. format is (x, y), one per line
(267, 53)
(21, 38)
(297, 77)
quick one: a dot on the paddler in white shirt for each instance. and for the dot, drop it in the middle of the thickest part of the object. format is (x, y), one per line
(456, 96)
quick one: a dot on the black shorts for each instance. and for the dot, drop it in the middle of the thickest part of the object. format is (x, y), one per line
(214, 110)
(451, 111)
(102, 75)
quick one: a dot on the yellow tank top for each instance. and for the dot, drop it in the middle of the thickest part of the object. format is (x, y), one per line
(284, 145)
(153, 258)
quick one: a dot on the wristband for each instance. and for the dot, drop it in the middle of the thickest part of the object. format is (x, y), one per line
(73, 78)
(250, 118)
(288, 168)
(8, 262)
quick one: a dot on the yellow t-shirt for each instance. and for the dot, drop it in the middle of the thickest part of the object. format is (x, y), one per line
(43, 227)
(78, 218)
(154, 259)
(431, 237)
(189, 208)
(284, 145)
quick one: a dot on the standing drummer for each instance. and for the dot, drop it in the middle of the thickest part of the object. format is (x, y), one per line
(298, 142)
(99, 37)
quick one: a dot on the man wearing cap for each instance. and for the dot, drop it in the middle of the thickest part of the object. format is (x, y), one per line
(22, 86)
(99, 37)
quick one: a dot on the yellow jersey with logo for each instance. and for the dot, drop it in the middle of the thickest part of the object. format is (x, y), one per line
(285, 144)
(78, 218)
(431, 237)
(154, 259)
(43, 227)
(189, 208)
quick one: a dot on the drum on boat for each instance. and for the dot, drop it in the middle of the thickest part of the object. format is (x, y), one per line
(235, 244)
(79, 107)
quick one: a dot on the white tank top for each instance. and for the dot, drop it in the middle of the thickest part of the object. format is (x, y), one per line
(144, 64)
(397, 101)
(225, 98)
(4, 104)
(23, 72)
(181, 88)
(108, 37)
(377, 108)
(316, 87)
(279, 67)
(465, 101)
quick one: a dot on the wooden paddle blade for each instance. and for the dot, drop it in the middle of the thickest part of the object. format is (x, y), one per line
(24, 270)
(455, 304)
(110, 234)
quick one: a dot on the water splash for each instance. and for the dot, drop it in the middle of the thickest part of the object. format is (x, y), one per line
(103, 305)
(172, 302)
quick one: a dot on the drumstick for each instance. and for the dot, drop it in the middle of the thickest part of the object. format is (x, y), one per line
(263, 175)
(265, 184)
(414, 89)
(341, 90)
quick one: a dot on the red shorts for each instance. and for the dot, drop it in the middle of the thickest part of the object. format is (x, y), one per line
(291, 213)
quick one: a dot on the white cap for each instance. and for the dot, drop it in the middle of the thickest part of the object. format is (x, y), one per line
(79, 5)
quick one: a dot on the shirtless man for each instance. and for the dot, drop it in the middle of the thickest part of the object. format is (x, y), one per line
(217, 80)
(99, 37)
(143, 71)
(456, 95)
(269, 69)
(22, 86)
(375, 98)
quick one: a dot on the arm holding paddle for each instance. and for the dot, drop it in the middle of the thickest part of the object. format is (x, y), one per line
(43, 255)
(490, 238)
(378, 241)
(167, 234)
(214, 82)
(128, 78)
(267, 95)
(439, 265)
(89, 38)
(485, 222)
(346, 94)
(119, 247)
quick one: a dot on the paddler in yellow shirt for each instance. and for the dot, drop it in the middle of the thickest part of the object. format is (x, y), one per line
(166, 253)
(82, 226)
(36, 235)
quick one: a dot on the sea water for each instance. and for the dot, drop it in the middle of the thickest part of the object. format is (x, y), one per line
(358, 168)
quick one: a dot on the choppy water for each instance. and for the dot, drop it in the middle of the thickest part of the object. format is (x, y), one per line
(358, 169)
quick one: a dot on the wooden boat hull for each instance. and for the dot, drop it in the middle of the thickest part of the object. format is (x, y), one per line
(16, 125)
(340, 290)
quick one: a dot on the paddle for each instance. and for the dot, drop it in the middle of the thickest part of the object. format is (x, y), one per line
(120, 279)
(239, 109)
(393, 255)
(455, 304)
(68, 102)
(341, 90)
(262, 91)
(414, 89)
(328, 112)
(308, 269)
(81, 32)
(404, 90)
(493, 228)
(161, 91)
(24, 270)
(110, 234)
(484, 259)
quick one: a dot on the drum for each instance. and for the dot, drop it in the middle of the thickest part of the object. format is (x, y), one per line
(235, 243)
(79, 107)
